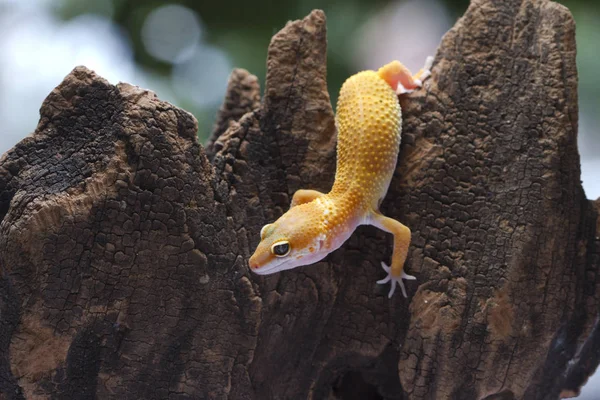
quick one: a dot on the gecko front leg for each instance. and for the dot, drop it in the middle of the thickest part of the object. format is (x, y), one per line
(304, 196)
(401, 242)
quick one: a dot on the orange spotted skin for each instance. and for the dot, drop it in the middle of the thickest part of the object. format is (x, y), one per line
(369, 122)
(369, 130)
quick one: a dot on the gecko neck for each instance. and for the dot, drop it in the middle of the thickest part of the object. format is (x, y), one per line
(364, 191)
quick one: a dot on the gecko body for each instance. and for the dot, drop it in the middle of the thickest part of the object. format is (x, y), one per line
(368, 121)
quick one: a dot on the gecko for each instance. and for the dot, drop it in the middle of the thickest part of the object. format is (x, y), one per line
(368, 121)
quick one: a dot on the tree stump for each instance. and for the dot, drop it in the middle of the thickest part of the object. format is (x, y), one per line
(124, 242)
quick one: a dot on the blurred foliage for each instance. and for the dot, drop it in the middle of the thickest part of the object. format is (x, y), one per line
(243, 30)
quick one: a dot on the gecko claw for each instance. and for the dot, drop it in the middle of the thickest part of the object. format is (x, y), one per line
(395, 280)
(401, 89)
(425, 72)
(428, 63)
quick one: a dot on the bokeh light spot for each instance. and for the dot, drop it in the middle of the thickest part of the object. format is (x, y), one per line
(203, 78)
(171, 33)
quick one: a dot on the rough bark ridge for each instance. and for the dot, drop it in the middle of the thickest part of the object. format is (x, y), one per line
(123, 249)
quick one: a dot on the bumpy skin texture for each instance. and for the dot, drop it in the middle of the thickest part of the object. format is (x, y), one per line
(369, 130)
(123, 249)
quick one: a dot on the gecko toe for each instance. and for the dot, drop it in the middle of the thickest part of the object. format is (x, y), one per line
(389, 275)
(428, 63)
(384, 280)
(401, 89)
(408, 277)
(385, 267)
(402, 288)
(393, 288)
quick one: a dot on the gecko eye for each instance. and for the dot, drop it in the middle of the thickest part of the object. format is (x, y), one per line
(281, 249)
(263, 231)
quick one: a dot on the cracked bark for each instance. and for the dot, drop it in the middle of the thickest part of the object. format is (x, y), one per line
(123, 249)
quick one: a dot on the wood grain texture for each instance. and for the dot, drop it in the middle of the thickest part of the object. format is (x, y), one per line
(124, 243)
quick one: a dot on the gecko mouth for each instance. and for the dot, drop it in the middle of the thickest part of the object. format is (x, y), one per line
(272, 268)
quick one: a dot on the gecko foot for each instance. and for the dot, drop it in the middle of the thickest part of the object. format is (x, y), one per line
(425, 72)
(418, 78)
(394, 280)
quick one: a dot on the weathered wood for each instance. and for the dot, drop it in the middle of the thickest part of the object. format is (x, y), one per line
(243, 96)
(123, 249)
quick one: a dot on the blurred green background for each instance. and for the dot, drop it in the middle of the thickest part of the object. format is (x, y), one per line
(184, 51)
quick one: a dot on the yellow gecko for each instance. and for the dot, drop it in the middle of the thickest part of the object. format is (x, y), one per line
(369, 122)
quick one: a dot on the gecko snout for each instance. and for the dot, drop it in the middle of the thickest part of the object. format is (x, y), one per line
(257, 261)
(253, 264)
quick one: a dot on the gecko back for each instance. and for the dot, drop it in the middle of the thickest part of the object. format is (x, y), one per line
(368, 120)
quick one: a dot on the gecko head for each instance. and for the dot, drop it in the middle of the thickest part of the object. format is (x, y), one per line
(291, 241)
